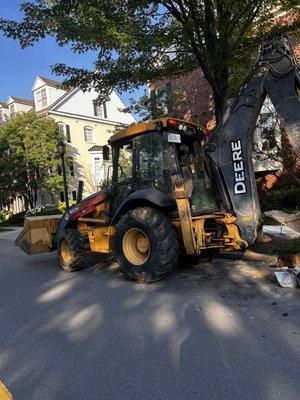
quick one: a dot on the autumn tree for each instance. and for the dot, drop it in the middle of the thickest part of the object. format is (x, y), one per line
(140, 41)
(28, 157)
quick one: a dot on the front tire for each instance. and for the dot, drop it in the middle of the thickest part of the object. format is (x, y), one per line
(146, 245)
(71, 250)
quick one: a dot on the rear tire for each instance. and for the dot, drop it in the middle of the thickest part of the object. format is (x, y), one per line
(146, 245)
(71, 250)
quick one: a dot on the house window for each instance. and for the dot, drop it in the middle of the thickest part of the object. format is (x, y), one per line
(88, 134)
(41, 98)
(97, 166)
(12, 109)
(71, 168)
(43, 198)
(52, 198)
(61, 128)
(64, 129)
(161, 99)
(100, 110)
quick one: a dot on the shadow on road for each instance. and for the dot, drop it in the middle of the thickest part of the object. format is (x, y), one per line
(207, 332)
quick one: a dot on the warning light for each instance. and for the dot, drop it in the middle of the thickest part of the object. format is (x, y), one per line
(172, 123)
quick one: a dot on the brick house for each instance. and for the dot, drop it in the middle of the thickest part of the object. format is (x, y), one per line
(193, 101)
(193, 96)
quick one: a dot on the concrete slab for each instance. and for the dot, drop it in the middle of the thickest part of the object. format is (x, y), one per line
(280, 230)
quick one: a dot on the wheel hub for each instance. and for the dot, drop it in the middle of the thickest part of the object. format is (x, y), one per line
(136, 246)
(65, 251)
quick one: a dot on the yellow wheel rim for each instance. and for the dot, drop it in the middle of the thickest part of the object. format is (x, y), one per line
(65, 251)
(136, 246)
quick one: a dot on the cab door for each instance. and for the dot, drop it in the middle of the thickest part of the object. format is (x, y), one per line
(122, 174)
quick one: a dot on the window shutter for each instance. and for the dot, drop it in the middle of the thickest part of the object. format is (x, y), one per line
(105, 151)
(104, 110)
(71, 168)
(95, 109)
(68, 134)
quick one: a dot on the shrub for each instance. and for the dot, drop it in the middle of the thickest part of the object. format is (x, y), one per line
(284, 198)
(44, 210)
(48, 209)
(5, 216)
(291, 247)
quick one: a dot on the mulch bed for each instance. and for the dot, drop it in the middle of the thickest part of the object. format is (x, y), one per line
(270, 244)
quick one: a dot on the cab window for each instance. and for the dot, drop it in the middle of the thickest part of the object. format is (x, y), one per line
(125, 163)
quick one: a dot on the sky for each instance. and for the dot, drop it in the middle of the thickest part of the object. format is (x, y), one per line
(18, 68)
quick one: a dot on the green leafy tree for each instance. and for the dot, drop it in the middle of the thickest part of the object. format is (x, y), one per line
(138, 41)
(28, 157)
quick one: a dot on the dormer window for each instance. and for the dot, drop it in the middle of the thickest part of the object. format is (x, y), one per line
(41, 98)
(12, 109)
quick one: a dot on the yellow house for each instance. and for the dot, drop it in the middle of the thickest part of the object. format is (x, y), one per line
(86, 126)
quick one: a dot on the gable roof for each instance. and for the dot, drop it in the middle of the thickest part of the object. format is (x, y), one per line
(22, 101)
(96, 148)
(42, 111)
(52, 82)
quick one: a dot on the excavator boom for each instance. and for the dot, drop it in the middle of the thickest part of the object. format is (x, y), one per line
(275, 74)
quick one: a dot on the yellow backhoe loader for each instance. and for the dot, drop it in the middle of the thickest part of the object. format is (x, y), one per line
(173, 191)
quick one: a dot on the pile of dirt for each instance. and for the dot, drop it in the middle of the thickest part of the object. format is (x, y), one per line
(270, 244)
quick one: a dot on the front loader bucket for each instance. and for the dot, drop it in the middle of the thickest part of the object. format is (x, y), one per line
(37, 234)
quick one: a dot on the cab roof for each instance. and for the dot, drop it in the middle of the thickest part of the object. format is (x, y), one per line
(152, 125)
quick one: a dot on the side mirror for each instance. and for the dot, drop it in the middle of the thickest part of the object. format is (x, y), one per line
(106, 155)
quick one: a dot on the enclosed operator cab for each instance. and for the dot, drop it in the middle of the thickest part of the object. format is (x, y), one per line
(154, 159)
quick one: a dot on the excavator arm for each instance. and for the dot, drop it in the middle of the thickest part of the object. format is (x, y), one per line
(274, 74)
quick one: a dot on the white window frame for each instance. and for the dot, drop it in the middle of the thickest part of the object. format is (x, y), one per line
(41, 100)
(92, 137)
(63, 126)
(98, 110)
(97, 156)
(12, 108)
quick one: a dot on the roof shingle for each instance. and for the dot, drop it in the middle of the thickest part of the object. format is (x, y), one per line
(52, 82)
(22, 101)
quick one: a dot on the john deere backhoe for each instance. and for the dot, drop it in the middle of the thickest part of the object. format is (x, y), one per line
(172, 190)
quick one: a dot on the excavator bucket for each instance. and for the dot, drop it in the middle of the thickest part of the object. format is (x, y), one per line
(37, 234)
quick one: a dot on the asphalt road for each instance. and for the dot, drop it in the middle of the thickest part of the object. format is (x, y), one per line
(208, 332)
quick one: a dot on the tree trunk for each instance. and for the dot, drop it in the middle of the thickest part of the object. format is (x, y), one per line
(26, 202)
(34, 197)
(220, 87)
(219, 100)
(290, 161)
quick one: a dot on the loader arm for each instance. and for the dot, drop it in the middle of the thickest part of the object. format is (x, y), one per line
(276, 74)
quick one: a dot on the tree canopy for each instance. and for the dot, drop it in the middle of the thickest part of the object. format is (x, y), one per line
(28, 157)
(140, 41)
